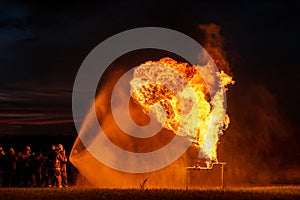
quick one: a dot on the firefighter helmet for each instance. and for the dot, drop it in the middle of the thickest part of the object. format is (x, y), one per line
(60, 147)
(27, 148)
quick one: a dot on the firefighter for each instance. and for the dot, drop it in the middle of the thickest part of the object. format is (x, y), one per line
(37, 169)
(63, 165)
(11, 171)
(2, 162)
(44, 170)
(50, 164)
(26, 165)
(20, 170)
(54, 169)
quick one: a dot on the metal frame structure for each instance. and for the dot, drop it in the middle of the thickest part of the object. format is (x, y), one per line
(197, 168)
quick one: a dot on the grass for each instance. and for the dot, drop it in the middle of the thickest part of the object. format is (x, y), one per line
(272, 192)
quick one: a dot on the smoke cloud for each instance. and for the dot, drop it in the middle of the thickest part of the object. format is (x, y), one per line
(259, 140)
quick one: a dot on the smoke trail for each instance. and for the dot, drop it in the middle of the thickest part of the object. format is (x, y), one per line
(214, 44)
(98, 174)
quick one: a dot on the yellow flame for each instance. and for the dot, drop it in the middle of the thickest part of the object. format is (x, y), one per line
(186, 108)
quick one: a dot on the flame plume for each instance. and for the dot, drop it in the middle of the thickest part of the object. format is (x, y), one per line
(177, 95)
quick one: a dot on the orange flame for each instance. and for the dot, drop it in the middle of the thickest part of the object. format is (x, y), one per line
(186, 107)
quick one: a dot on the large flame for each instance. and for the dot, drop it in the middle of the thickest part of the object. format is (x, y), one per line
(180, 99)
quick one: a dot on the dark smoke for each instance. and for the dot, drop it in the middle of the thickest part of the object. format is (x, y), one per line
(260, 141)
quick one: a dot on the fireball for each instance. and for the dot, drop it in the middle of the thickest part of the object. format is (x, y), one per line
(183, 101)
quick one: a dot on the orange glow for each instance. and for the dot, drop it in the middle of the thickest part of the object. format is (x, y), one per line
(186, 108)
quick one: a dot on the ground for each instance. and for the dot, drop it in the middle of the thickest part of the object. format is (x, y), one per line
(267, 192)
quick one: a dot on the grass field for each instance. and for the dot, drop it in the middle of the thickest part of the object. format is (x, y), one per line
(272, 192)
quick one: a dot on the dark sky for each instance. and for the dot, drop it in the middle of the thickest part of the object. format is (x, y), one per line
(43, 43)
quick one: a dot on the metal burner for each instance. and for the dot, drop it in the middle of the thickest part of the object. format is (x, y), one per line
(209, 166)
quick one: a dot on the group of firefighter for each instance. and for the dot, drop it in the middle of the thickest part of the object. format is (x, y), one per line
(28, 169)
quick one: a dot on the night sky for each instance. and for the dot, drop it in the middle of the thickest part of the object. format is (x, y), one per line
(43, 44)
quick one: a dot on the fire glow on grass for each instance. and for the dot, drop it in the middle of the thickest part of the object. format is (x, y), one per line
(187, 108)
